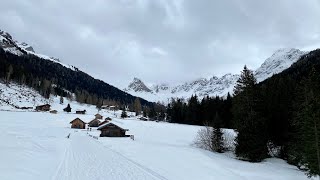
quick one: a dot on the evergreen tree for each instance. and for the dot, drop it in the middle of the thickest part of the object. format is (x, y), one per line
(306, 144)
(251, 142)
(192, 111)
(152, 113)
(67, 109)
(217, 136)
(124, 114)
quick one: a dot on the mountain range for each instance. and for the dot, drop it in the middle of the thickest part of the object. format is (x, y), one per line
(214, 86)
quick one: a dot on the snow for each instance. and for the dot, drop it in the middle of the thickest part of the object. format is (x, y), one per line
(34, 146)
(215, 86)
(17, 95)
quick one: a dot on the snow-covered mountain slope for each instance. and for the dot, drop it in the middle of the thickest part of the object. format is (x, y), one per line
(214, 86)
(14, 96)
(8, 43)
(282, 59)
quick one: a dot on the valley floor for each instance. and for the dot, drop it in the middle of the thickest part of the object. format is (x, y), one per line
(34, 146)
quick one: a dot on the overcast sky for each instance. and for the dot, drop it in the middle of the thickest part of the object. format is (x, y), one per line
(162, 40)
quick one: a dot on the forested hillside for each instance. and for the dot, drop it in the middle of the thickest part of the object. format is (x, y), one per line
(49, 77)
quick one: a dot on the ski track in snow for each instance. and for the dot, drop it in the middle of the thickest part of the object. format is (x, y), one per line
(86, 159)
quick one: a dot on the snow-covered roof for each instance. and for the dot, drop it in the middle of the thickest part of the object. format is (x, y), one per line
(94, 120)
(110, 123)
(76, 119)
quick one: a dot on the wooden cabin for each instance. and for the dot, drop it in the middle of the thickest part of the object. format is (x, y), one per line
(98, 116)
(45, 107)
(112, 130)
(78, 124)
(81, 112)
(53, 111)
(94, 123)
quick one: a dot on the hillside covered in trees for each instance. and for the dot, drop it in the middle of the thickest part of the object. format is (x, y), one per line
(49, 77)
(277, 117)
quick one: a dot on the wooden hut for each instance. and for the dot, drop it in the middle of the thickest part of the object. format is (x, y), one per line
(98, 116)
(53, 111)
(81, 112)
(94, 123)
(112, 130)
(78, 124)
(45, 107)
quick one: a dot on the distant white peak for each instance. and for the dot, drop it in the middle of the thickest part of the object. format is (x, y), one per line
(137, 86)
(279, 61)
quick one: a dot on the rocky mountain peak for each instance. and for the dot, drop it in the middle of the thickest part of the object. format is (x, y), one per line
(279, 61)
(137, 86)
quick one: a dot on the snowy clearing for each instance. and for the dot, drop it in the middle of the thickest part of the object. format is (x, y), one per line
(34, 146)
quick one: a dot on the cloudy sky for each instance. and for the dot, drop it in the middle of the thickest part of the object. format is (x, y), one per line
(162, 40)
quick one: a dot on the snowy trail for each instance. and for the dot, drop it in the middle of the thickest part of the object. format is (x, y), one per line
(86, 159)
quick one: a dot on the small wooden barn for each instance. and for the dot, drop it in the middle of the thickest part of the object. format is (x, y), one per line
(81, 112)
(94, 123)
(98, 116)
(45, 107)
(53, 111)
(112, 130)
(78, 124)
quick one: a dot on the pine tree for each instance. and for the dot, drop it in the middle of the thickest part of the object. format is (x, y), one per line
(124, 114)
(306, 147)
(67, 109)
(152, 113)
(217, 136)
(251, 142)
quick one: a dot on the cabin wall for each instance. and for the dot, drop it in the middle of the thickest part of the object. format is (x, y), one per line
(94, 124)
(112, 132)
(78, 125)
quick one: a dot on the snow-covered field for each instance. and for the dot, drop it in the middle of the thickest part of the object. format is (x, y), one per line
(34, 146)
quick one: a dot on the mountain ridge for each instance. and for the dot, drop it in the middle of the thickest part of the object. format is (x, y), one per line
(215, 86)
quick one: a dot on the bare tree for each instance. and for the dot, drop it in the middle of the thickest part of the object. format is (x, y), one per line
(204, 138)
(9, 73)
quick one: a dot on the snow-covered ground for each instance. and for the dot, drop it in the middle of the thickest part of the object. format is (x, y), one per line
(34, 146)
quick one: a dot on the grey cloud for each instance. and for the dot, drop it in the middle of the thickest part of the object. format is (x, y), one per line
(162, 40)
